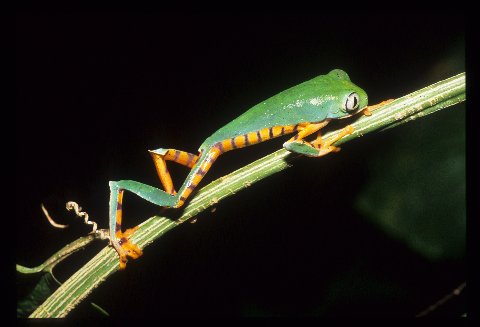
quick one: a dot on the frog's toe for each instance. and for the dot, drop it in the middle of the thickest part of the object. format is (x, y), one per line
(127, 248)
(129, 232)
(123, 261)
(132, 250)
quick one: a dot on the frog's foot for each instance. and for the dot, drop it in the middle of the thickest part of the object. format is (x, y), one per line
(126, 248)
(327, 147)
(367, 111)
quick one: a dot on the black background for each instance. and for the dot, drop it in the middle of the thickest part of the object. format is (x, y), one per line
(94, 92)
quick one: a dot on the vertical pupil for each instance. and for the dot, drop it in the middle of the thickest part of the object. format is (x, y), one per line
(352, 101)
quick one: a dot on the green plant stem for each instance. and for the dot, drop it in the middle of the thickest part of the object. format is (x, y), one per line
(417, 104)
(55, 259)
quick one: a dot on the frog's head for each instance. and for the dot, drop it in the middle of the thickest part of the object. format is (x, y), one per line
(349, 98)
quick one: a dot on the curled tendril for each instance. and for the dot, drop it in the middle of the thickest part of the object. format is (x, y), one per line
(102, 233)
(71, 205)
(74, 206)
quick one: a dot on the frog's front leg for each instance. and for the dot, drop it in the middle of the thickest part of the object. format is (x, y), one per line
(298, 145)
(316, 148)
(367, 111)
(327, 147)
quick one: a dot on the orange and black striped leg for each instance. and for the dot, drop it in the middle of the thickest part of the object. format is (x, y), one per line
(367, 111)
(160, 156)
(122, 242)
(204, 163)
(307, 130)
(255, 137)
(327, 147)
(298, 145)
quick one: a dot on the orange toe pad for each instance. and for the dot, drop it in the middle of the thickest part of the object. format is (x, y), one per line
(127, 248)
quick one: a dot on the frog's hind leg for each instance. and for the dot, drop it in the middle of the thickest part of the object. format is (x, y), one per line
(120, 240)
(160, 156)
(199, 170)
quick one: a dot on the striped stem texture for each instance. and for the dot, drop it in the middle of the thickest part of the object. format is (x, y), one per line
(418, 104)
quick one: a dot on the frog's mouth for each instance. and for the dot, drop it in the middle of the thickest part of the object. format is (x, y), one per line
(353, 113)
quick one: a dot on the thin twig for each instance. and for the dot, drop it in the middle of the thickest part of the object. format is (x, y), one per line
(70, 248)
(50, 220)
(456, 292)
(59, 256)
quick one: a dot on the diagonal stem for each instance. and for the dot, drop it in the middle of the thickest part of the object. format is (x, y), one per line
(418, 104)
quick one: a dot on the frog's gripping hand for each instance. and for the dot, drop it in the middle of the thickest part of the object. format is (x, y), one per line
(318, 147)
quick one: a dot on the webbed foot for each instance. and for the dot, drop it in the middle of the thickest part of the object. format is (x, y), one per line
(327, 147)
(125, 248)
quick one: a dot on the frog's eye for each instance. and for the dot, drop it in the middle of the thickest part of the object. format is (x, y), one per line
(352, 102)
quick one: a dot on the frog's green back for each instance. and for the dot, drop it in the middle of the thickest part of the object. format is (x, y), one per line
(310, 101)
